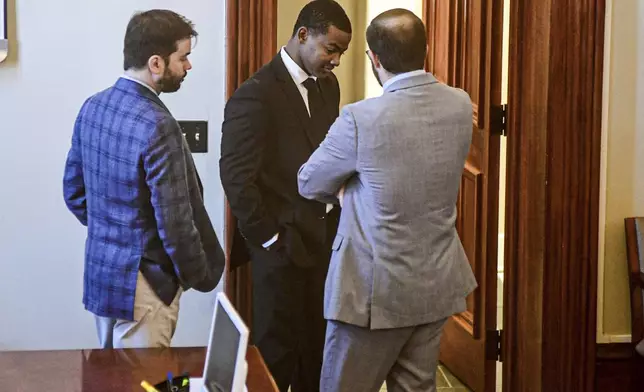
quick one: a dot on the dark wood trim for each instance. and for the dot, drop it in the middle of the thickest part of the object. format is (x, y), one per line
(251, 41)
(552, 215)
(613, 351)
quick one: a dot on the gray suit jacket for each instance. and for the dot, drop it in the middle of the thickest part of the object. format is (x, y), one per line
(397, 259)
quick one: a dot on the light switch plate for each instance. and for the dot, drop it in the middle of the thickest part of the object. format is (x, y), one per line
(196, 134)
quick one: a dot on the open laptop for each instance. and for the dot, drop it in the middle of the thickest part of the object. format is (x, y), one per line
(226, 368)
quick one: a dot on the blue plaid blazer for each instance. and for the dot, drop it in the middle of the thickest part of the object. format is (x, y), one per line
(131, 180)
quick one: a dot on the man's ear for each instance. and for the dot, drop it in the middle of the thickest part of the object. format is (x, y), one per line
(375, 59)
(302, 34)
(156, 65)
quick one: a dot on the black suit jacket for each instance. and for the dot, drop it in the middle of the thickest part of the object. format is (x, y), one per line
(267, 135)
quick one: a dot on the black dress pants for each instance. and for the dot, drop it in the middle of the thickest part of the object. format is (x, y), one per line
(288, 321)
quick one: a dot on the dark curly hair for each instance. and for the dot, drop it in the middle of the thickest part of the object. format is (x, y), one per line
(318, 15)
(154, 32)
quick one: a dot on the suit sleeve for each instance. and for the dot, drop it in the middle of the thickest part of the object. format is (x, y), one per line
(333, 163)
(243, 145)
(73, 181)
(166, 176)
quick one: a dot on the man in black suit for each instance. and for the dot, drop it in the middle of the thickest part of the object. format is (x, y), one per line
(272, 124)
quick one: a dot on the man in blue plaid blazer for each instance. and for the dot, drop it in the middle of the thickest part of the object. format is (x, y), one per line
(131, 180)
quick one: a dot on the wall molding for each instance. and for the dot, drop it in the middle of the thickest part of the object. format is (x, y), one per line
(601, 247)
(608, 339)
(615, 351)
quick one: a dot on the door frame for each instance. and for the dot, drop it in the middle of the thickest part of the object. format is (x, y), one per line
(552, 193)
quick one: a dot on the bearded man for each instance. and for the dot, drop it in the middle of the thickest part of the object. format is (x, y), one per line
(131, 180)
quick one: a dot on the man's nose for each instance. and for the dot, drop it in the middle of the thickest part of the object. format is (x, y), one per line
(335, 60)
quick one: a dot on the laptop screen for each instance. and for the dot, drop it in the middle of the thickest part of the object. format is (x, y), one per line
(224, 344)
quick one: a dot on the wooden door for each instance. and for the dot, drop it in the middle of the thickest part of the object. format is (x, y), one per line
(465, 51)
(553, 196)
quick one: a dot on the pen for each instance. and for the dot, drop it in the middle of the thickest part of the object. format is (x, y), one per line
(170, 382)
(148, 387)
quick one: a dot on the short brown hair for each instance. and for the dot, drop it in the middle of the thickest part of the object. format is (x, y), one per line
(399, 39)
(154, 32)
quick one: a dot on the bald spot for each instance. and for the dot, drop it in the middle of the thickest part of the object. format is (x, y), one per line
(401, 23)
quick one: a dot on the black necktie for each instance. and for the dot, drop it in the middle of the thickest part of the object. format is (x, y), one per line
(316, 105)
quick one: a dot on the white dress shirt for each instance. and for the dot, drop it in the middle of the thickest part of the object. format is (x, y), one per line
(124, 76)
(299, 76)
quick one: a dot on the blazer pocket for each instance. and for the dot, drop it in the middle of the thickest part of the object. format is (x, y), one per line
(337, 242)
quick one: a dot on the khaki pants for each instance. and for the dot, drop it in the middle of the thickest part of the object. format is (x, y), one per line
(153, 326)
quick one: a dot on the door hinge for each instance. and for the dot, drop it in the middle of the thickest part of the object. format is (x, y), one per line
(494, 345)
(499, 120)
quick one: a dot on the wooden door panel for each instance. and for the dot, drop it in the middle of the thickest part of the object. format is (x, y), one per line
(465, 47)
(443, 46)
(470, 61)
(465, 365)
(469, 220)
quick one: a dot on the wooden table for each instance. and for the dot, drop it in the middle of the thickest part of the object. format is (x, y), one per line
(112, 370)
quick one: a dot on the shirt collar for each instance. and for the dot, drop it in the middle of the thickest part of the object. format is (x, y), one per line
(402, 76)
(297, 74)
(124, 76)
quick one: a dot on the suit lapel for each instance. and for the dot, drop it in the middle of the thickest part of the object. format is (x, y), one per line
(328, 97)
(294, 99)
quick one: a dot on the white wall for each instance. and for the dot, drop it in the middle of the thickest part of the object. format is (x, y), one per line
(68, 50)
(622, 161)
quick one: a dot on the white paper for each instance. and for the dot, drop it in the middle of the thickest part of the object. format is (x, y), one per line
(196, 384)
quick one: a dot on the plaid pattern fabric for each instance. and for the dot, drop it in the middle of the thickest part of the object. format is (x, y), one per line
(131, 180)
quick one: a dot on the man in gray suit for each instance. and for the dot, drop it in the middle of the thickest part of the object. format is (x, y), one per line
(398, 269)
